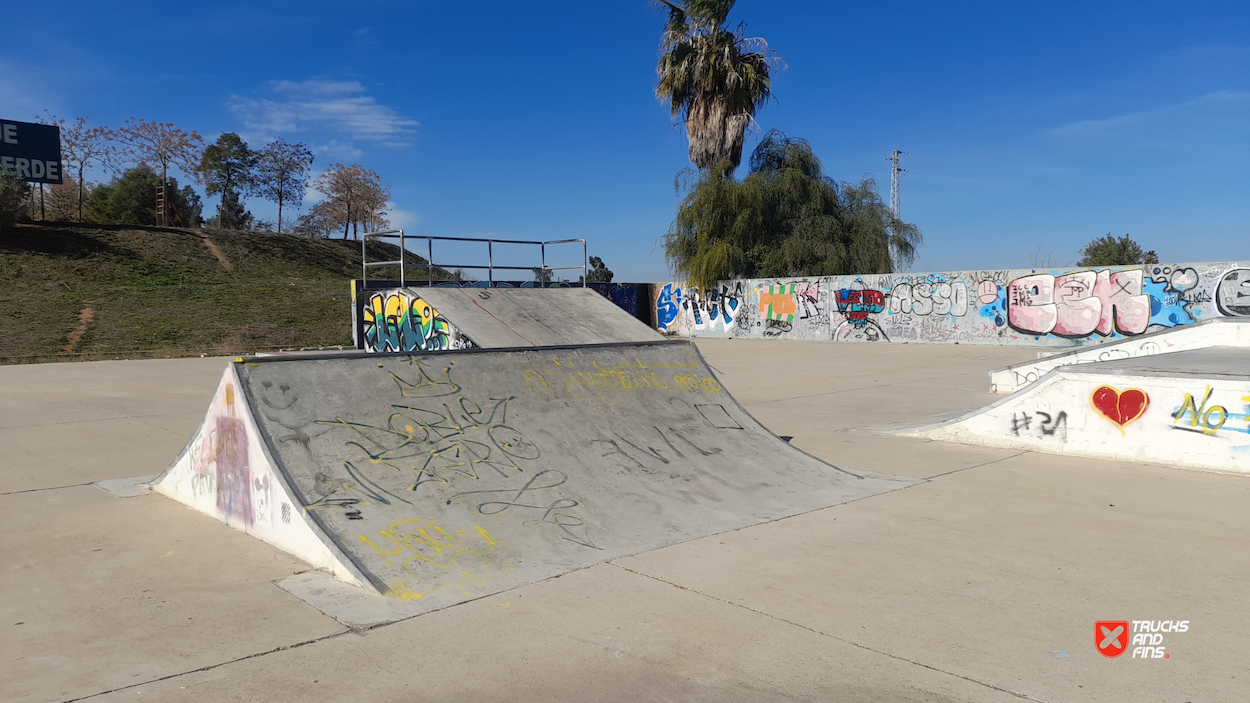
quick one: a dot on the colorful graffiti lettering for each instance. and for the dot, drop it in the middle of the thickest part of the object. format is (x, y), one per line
(398, 321)
(667, 306)
(998, 307)
(685, 311)
(857, 305)
(1208, 420)
(1078, 304)
(807, 298)
(777, 302)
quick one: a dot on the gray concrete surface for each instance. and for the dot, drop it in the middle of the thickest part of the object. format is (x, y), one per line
(522, 317)
(483, 471)
(981, 584)
(1212, 362)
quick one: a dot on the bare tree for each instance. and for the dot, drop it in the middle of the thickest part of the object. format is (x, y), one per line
(160, 143)
(82, 146)
(354, 195)
(65, 200)
(1044, 259)
(282, 174)
(318, 222)
(373, 208)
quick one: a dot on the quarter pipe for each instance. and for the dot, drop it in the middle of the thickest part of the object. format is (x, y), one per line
(436, 478)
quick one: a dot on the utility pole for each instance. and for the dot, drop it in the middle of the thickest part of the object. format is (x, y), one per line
(894, 171)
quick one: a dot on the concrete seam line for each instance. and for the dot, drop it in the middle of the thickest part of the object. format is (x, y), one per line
(975, 466)
(74, 422)
(48, 488)
(748, 608)
(209, 667)
(138, 418)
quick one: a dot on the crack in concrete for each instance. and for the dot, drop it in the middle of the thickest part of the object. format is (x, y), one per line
(210, 667)
(1023, 696)
(976, 466)
(47, 488)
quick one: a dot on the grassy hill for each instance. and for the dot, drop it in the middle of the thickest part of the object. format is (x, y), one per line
(99, 291)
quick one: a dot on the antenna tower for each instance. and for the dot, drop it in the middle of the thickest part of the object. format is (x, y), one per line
(894, 171)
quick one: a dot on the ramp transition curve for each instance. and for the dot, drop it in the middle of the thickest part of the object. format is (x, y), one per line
(1185, 408)
(432, 319)
(1230, 332)
(436, 478)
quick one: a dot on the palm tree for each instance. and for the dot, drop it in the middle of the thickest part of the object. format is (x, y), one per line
(713, 77)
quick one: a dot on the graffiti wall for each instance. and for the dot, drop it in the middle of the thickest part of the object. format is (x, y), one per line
(1058, 307)
(398, 320)
(385, 318)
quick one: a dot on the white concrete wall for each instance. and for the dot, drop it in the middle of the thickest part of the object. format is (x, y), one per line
(225, 471)
(1187, 421)
(1049, 308)
(1210, 333)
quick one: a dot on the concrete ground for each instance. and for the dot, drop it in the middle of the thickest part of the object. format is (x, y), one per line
(982, 584)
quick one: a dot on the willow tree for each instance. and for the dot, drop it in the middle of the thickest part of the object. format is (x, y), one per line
(785, 218)
(712, 77)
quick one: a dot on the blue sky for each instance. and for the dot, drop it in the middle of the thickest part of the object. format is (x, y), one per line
(1030, 127)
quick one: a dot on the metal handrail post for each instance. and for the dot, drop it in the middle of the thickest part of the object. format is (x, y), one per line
(490, 263)
(403, 255)
(585, 266)
(429, 263)
(543, 249)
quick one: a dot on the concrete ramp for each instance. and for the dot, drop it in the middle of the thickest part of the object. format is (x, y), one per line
(437, 478)
(1188, 408)
(1230, 332)
(433, 319)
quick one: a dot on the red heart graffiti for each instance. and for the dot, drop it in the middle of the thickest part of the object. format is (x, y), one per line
(1120, 407)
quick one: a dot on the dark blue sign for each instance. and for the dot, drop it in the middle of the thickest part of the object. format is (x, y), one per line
(30, 152)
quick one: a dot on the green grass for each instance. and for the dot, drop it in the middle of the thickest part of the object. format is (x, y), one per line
(163, 292)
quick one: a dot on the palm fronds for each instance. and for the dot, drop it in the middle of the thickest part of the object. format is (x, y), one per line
(713, 78)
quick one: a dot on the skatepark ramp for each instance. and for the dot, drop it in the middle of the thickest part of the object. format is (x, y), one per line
(437, 318)
(1185, 408)
(437, 478)
(1230, 332)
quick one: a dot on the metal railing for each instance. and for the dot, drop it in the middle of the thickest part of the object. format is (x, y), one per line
(490, 256)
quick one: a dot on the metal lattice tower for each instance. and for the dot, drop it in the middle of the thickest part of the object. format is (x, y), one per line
(894, 171)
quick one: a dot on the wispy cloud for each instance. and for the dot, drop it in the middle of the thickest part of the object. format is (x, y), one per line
(336, 150)
(400, 218)
(339, 107)
(1218, 115)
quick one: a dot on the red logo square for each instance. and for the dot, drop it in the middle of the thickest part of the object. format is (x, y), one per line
(1111, 637)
